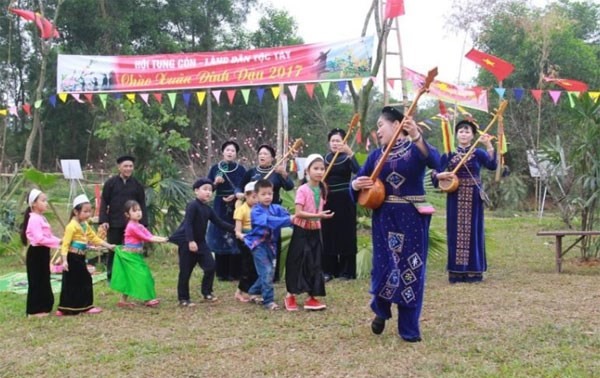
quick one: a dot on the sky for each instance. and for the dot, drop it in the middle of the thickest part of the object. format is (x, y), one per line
(426, 40)
(426, 43)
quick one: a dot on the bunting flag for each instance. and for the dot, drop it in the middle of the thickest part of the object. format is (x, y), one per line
(52, 101)
(144, 97)
(246, 95)
(554, 95)
(275, 91)
(103, 97)
(325, 87)
(27, 109)
(368, 143)
(37, 104)
(568, 84)
(77, 97)
(393, 8)
(186, 98)
(201, 95)
(518, 93)
(130, 97)
(293, 89)
(500, 91)
(172, 98)
(13, 111)
(310, 89)
(594, 96)
(157, 97)
(260, 92)
(3, 112)
(342, 86)
(537, 94)
(230, 95)
(63, 97)
(89, 97)
(391, 83)
(357, 84)
(572, 96)
(217, 95)
(501, 69)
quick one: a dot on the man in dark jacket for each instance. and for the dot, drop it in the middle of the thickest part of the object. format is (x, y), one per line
(116, 191)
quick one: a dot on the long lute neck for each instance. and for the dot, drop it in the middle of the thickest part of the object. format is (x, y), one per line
(353, 123)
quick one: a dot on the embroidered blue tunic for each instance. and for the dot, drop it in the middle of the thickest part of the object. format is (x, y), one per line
(219, 241)
(400, 233)
(464, 214)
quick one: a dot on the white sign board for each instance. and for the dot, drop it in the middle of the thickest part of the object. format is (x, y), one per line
(71, 169)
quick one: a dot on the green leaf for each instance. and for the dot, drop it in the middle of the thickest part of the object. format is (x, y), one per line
(41, 179)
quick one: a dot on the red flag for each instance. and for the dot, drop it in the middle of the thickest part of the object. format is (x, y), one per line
(46, 28)
(569, 85)
(498, 67)
(394, 8)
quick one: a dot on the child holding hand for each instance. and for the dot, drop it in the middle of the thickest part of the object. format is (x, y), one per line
(77, 292)
(303, 272)
(37, 232)
(267, 219)
(243, 225)
(131, 275)
(190, 237)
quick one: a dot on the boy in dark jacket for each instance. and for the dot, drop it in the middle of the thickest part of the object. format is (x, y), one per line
(190, 237)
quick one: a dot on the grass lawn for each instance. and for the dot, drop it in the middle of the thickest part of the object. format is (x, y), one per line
(524, 320)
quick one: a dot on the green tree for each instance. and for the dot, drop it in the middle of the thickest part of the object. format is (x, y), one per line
(152, 137)
(540, 42)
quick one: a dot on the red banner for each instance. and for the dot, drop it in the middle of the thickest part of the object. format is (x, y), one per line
(289, 64)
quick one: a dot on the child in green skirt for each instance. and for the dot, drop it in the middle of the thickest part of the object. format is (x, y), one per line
(131, 275)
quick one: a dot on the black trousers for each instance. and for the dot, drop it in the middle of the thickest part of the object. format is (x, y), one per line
(228, 266)
(187, 263)
(39, 291)
(248, 271)
(339, 265)
(113, 236)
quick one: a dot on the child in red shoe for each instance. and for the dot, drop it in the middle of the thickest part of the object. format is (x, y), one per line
(303, 272)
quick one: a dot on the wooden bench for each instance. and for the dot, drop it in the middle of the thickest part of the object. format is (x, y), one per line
(559, 236)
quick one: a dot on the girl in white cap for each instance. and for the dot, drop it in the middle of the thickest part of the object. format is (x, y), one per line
(303, 272)
(36, 231)
(77, 293)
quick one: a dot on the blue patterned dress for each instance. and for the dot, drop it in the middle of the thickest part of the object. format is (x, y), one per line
(464, 216)
(400, 234)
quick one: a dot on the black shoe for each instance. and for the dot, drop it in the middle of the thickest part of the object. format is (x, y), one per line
(412, 339)
(378, 325)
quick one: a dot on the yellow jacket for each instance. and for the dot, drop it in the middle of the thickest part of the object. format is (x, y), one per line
(78, 233)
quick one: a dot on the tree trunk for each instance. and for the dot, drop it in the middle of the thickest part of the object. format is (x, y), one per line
(361, 99)
(37, 123)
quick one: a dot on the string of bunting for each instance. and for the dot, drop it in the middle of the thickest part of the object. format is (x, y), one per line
(199, 96)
